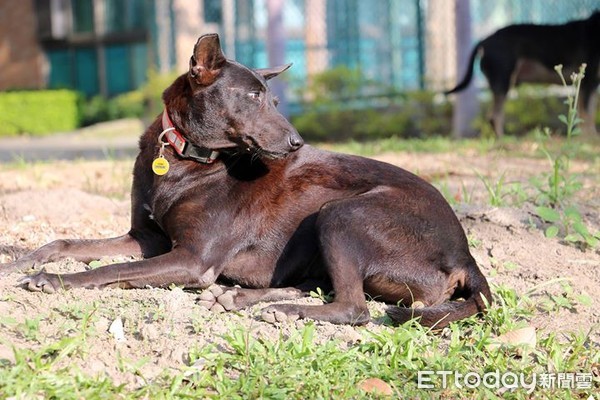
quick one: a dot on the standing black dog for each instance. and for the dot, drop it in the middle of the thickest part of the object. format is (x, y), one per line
(244, 202)
(529, 53)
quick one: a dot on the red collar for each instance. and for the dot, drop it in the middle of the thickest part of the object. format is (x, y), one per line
(184, 148)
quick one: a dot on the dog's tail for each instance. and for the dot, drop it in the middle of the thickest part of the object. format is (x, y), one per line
(468, 73)
(475, 289)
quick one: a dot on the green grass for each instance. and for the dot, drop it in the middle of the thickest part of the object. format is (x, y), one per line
(295, 367)
(509, 146)
(437, 144)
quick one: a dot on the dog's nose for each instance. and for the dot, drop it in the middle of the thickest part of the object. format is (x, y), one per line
(295, 141)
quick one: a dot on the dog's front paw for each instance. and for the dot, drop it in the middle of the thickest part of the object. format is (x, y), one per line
(281, 313)
(217, 300)
(42, 282)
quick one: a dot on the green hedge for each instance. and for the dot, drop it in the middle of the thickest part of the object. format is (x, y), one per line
(39, 112)
(406, 115)
(100, 109)
(145, 102)
(342, 104)
(336, 110)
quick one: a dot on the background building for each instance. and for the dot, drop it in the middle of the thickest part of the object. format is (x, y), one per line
(107, 46)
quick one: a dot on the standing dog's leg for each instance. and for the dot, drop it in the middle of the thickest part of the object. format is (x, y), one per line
(592, 111)
(588, 101)
(497, 114)
(498, 70)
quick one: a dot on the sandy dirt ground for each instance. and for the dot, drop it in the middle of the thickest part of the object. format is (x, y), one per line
(47, 201)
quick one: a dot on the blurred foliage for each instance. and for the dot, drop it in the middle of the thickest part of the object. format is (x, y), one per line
(153, 89)
(335, 84)
(342, 104)
(531, 109)
(127, 105)
(337, 105)
(145, 102)
(39, 112)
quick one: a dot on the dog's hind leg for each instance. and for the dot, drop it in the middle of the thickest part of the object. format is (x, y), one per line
(497, 114)
(499, 72)
(388, 245)
(346, 252)
(588, 104)
(349, 305)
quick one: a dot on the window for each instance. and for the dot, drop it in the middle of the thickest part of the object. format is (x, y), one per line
(213, 11)
(60, 69)
(117, 69)
(125, 67)
(139, 64)
(86, 71)
(75, 60)
(115, 15)
(125, 15)
(74, 68)
(83, 16)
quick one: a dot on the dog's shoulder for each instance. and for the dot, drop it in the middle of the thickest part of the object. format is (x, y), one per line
(314, 164)
(326, 159)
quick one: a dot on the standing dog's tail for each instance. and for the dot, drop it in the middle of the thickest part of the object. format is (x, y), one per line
(468, 73)
(438, 316)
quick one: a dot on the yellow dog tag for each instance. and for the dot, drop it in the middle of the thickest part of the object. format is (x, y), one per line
(160, 166)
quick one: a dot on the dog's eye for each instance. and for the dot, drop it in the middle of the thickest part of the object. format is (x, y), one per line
(254, 95)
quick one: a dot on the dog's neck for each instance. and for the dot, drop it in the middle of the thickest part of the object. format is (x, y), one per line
(182, 146)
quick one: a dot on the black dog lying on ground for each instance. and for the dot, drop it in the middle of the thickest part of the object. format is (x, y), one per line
(529, 53)
(236, 198)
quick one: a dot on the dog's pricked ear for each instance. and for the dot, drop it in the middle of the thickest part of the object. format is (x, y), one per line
(207, 60)
(269, 73)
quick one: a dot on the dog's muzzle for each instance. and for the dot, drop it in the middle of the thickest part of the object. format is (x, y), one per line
(295, 141)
